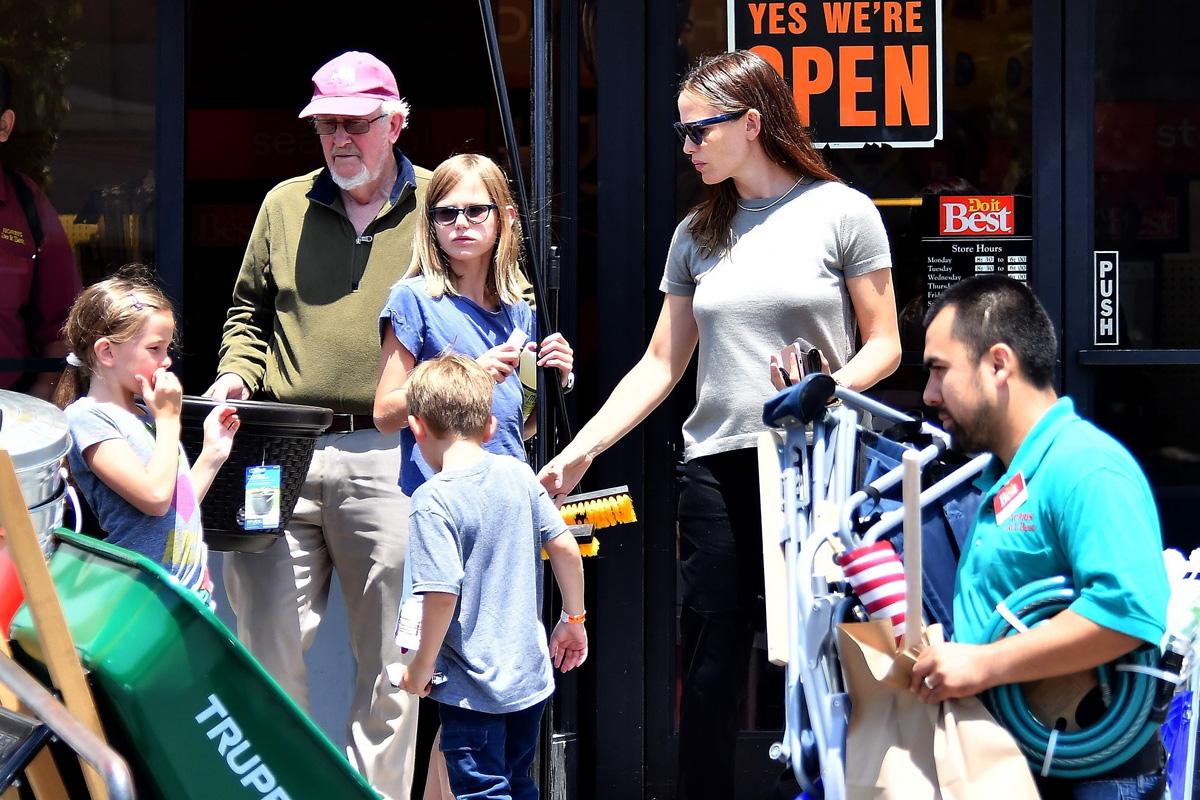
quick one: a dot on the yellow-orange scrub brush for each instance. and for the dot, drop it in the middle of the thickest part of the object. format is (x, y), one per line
(601, 509)
(584, 513)
(589, 545)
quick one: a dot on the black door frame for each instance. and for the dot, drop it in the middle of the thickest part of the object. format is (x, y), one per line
(1078, 203)
(636, 636)
(1049, 148)
(619, 583)
(170, 121)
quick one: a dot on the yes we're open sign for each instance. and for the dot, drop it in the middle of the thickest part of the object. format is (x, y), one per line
(861, 71)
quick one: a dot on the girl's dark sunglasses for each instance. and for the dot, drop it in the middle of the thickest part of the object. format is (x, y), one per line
(695, 130)
(448, 215)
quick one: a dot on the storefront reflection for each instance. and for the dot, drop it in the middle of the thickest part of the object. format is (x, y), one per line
(89, 112)
(1147, 170)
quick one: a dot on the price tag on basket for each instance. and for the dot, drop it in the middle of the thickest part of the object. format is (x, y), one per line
(262, 498)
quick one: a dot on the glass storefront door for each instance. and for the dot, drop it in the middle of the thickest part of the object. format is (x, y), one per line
(1137, 361)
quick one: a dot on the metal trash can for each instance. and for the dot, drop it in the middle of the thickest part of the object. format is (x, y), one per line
(36, 436)
(181, 699)
(271, 433)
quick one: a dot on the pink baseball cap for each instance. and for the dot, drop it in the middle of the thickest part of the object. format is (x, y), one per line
(352, 85)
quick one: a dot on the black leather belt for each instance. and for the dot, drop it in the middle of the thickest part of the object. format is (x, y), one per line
(348, 423)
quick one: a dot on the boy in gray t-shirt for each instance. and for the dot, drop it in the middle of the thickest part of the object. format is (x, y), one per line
(476, 533)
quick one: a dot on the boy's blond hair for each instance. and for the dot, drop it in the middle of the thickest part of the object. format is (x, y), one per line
(452, 395)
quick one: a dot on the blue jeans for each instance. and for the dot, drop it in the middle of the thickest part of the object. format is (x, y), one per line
(489, 755)
(1136, 787)
(1140, 778)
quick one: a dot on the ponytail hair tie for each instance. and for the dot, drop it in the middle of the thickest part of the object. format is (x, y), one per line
(74, 361)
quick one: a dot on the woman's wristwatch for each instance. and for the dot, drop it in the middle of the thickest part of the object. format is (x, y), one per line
(572, 619)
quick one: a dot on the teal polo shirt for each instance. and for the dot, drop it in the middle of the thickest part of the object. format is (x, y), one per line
(1088, 514)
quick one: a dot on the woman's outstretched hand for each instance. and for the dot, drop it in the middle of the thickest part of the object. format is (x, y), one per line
(563, 473)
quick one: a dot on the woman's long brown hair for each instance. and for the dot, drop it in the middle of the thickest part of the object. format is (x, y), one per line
(737, 81)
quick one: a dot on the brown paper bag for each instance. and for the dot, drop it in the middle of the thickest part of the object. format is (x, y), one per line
(899, 747)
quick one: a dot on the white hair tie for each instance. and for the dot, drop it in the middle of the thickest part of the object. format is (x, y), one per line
(74, 361)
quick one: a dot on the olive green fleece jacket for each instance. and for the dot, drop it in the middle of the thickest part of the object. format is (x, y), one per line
(304, 323)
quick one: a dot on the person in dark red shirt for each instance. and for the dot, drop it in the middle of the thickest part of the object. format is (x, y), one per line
(38, 279)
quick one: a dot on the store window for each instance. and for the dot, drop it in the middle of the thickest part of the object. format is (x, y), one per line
(1147, 170)
(84, 88)
(245, 86)
(1152, 411)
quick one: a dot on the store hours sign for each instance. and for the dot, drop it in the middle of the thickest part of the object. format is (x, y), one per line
(861, 72)
(973, 235)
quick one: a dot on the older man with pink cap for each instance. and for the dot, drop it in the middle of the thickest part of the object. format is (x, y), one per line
(325, 250)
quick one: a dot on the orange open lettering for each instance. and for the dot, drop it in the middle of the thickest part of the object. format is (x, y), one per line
(814, 71)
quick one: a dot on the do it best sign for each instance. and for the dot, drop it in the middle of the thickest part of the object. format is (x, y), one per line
(861, 71)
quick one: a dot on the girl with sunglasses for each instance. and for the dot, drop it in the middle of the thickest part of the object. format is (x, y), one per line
(463, 292)
(780, 250)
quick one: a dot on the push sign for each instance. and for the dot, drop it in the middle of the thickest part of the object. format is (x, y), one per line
(1106, 298)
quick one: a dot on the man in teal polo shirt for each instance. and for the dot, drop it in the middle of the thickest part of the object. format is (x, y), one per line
(1061, 497)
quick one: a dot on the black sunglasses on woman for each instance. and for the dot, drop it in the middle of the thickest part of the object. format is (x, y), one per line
(695, 130)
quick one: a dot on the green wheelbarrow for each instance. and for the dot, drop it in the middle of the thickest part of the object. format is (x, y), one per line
(180, 698)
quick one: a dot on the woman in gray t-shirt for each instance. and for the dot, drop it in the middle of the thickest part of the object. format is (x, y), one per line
(780, 249)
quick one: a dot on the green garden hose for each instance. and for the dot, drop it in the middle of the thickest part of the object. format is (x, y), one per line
(1123, 728)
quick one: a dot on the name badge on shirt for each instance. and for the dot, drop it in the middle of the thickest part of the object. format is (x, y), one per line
(1010, 497)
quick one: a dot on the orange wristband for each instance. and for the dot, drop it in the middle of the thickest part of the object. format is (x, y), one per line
(572, 619)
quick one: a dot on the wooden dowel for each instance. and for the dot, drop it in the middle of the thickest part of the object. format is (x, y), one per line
(54, 637)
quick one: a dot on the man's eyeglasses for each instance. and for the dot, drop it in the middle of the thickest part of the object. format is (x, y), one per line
(354, 125)
(448, 215)
(695, 130)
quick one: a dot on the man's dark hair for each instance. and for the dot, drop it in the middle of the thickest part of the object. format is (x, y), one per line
(5, 89)
(993, 309)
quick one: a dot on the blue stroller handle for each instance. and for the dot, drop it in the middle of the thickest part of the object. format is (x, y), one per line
(808, 400)
(801, 403)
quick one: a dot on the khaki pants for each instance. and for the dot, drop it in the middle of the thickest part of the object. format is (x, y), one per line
(352, 517)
